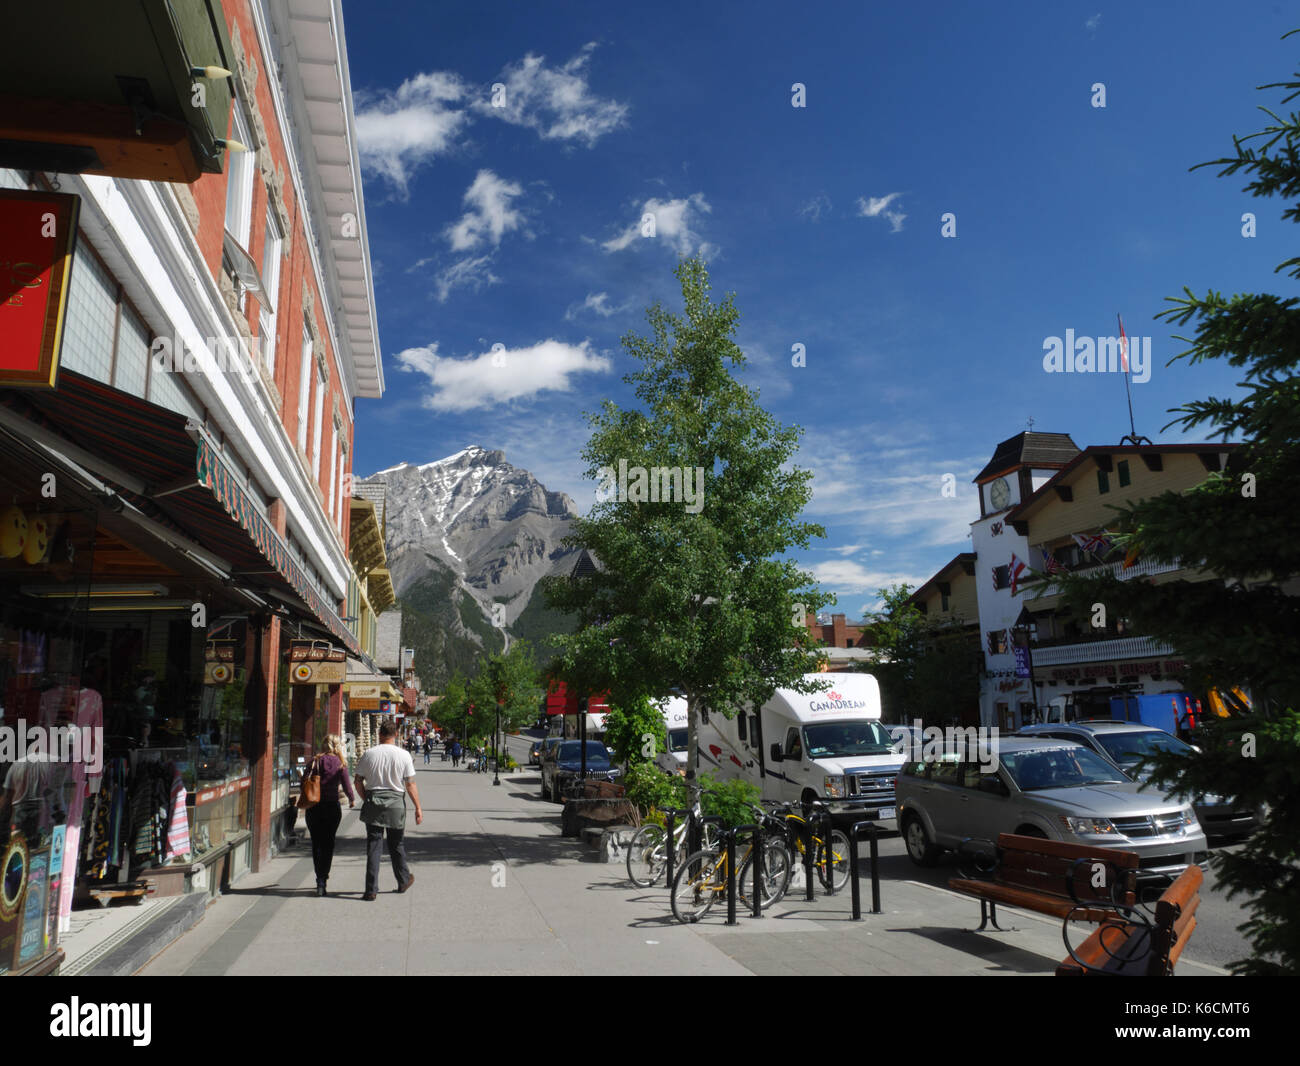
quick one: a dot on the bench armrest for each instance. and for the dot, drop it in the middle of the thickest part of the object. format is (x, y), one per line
(1131, 937)
(1115, 881)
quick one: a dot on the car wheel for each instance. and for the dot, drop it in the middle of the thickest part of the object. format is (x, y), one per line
(1031, 831)
(919, 848)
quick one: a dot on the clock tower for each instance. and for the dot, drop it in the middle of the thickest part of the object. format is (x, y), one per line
(1019, 467)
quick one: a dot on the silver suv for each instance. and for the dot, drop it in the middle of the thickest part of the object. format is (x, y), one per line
(1126, 744)
(1045, 788)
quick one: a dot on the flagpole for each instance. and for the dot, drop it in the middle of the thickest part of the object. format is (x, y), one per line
(1128, 393)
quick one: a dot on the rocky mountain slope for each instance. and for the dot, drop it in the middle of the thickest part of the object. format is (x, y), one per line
(468, 538)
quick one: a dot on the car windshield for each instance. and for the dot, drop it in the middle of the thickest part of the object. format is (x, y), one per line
(677, 740)
(572, 749)
(1038, 768)
(831, 739)
(1129, 749)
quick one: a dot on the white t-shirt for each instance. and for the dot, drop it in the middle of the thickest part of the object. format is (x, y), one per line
(386, 766)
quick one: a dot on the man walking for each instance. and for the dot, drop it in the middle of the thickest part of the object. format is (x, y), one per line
(385, 776)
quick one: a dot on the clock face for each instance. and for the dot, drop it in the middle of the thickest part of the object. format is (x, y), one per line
(999, 494)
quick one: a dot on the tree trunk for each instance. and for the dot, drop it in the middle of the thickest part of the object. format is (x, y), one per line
(692, 748)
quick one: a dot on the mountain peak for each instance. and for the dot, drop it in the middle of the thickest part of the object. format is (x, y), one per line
(493, 525)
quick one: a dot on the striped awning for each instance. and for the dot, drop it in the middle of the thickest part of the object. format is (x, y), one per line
(170, 468)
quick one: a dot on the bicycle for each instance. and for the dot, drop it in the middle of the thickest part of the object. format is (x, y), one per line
(702, 879)
(647, 854)
(839, 849)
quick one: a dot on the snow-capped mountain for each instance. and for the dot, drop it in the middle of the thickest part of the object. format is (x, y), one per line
(495, 527)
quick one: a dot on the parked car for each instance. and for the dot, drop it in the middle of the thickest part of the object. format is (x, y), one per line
(562, 766)
(1126, 744)
(537, 755)
(1055, 789)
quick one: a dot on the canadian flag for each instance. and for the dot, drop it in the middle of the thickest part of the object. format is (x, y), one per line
(1015, 570)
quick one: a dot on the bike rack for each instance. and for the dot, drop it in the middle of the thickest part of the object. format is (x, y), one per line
(854, 833)
(670, 815)
(756, 850)
(822, 820)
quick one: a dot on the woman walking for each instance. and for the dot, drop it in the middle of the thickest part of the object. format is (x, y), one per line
(323, 819)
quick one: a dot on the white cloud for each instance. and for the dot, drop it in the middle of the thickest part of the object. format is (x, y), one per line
(492, 378)
(843, 575)
(557, 102)
(1092, 23)
(816, 207)
(597, 303)
(470, 273)
(490, 216)
(875, 206)
(675, 222)
(400, 131)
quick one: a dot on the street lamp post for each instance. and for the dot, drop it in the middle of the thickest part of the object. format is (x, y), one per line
(497, 738)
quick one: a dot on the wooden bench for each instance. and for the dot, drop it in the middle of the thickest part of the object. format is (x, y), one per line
(1047, 876)
(1128, 944)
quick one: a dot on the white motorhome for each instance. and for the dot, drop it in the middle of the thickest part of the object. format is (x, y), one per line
(817, 745)
(674, 712)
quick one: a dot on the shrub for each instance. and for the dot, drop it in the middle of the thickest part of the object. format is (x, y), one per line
(729, 800)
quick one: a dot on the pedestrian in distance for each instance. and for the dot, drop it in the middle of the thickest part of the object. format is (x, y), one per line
(385, 777)
(455, 753)
(428, 749)
(323, 818)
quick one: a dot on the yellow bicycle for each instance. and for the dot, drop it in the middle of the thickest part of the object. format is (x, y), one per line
(839, 865)
(702, 879)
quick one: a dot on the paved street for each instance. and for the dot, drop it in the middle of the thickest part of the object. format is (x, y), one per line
(499, 891)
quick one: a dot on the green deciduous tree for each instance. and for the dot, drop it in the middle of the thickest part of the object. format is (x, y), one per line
(633, 727)
(1239, 629)
(693, 593)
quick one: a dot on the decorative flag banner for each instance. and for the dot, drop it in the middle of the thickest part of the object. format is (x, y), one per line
(1015, 570)
(1097, 544)
(1123, 345)
(1131, 558)
(1049, 561)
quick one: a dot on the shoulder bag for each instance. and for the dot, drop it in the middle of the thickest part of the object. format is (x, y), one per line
(310, 794)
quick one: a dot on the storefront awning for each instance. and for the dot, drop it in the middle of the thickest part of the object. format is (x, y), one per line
(167, 466)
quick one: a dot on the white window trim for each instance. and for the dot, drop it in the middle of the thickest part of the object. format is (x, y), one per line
(304, 389)
(334, 466)
(239, 183)
(271, 294)
(316, 431)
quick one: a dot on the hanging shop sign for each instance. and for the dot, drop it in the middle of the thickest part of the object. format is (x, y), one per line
(38, 231)
(218, 673)
(320, 651)
(314, 673)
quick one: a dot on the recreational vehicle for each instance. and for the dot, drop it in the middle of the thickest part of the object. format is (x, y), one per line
(828, 744)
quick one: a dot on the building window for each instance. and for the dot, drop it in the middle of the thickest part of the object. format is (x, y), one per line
(943, 601)
(131, 367)
(334, 467)
(1103, 482)
(270, 294)
(316, 428)
(91, 324)
(1124, 478)
(239, 181)
(304, 390)
(1002, 577)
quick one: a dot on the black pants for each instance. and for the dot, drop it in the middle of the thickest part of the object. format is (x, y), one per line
(323, 825)
(396, 852)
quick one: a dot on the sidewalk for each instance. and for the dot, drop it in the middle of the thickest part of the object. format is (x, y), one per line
(499, 891)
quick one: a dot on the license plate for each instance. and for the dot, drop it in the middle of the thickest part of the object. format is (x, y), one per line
(888, 812)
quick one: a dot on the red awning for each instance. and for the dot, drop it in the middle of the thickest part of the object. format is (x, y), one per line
(179, 478)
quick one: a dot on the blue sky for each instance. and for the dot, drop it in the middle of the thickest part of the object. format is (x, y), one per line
(519, 226)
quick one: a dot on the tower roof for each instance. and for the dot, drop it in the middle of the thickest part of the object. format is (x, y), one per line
(1030, 449)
